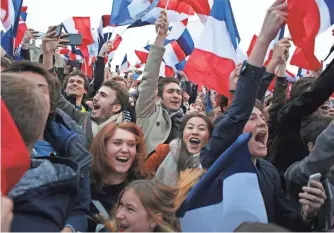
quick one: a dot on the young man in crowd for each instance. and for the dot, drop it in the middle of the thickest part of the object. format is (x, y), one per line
(75, 86)
(23, 100)
(61, 138)
(160, 119)
(108, 103)
(317, 134)
(242, 117)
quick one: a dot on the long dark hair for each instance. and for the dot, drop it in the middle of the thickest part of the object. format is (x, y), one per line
(185, 159)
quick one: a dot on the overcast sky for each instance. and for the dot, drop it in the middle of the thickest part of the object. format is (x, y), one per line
(249, 15)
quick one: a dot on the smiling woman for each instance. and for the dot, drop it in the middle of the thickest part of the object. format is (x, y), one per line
(118, 151)
(195, 132)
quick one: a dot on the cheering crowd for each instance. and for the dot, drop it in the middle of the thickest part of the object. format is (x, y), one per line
(118, 154)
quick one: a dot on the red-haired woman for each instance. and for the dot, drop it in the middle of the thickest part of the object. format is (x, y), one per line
(118, 152)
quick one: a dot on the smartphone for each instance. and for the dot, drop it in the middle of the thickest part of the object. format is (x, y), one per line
(74, 39)
(38, 35)
(314, 177)
(58, 30)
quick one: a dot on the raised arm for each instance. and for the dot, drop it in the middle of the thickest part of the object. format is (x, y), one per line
(232, 125)
(148, 87)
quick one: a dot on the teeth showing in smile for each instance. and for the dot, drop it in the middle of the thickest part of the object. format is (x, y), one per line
(194, 141)
(122, 159)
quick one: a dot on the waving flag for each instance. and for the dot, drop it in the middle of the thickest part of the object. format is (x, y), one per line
(10, 14)
(15, 159)
(176, 12)
(227, 195)
(304, 25)
(326, 9)
(115, 45)
(201, 7)
(180, 33)
(143, 54)
(214, 57)
(173, 54)
(22, 27)
(104, 30)
(128, 11)
(125, 64)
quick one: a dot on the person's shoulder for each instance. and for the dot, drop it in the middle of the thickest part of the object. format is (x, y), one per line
(267, 167)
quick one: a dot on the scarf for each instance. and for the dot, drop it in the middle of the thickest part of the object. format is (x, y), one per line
(117, 118)
(176, 118)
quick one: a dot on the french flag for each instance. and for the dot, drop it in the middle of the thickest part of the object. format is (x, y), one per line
(22, 27)
(166, 71)
(104, 30)
(201, 7)
(306, 20)
(10, 14)
(180, 33)
(116, 43)
(271, 46)
(143, 54)
(214, 57)
(173, 54)
(125, 64)
(176, 12)
(128, 11)
(226, 196)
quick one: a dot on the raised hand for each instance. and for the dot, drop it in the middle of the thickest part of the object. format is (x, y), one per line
(276, 16)
(161, 25)
(50, 43)
(281, 50)
(234, 76)
(106, 47)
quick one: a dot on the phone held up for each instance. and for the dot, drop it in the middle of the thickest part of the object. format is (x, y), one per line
(314, 177)
(73, 39)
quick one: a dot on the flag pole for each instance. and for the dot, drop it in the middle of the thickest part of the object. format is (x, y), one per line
(112, 33)
(164, 9)
(118, 36)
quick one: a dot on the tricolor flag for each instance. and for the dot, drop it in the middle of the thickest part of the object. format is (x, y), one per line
(180, 33)
(15, 159)
(142, 54)
(117, 41)
(125, 64)
(176, 12)
(22, 27)
(306, 19)
(173, 54)
(128, 11)
(215, 56)
(201, 7)
(227, 195)
(104, 30)
(10, 14)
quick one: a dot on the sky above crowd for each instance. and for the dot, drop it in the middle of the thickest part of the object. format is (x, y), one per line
(249, 15)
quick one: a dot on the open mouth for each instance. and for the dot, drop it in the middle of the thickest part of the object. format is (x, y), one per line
(96, 107)
(261, 137)
(194, 141)
(123, 227)
(122, 159)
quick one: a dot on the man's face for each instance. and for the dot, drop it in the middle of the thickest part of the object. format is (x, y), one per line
(103, 104)
(75, 86)
(257, 126)
(171, 97)
(41, 82)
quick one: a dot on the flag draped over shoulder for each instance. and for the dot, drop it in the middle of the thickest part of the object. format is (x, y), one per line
(227, 195)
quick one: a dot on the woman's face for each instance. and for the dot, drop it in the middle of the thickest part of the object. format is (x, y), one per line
(199, 105)
(121, 151)
(195, 134)
(131, 215)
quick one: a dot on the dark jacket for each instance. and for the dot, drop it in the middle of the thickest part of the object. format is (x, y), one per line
(279, 209)
(44, 197)
(287, 146)
(320, 160)
(229, 128)
(70, 145)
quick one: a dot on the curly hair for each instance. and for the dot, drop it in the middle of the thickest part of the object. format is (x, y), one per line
(99, 167)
